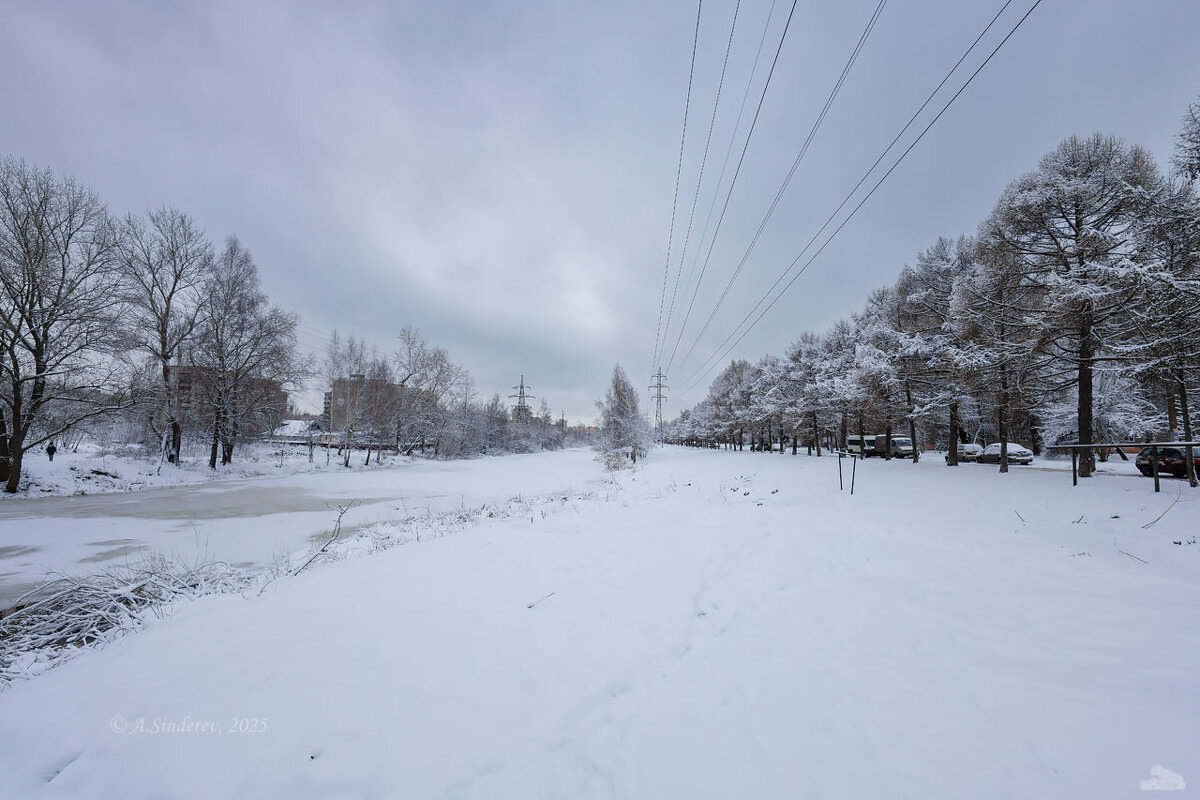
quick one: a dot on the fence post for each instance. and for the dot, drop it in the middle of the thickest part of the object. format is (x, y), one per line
(1154, 465)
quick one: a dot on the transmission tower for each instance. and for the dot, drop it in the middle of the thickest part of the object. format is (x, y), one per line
(521, 409)
(658, 387)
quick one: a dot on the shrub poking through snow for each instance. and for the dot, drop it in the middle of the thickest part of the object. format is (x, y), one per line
(59, 618)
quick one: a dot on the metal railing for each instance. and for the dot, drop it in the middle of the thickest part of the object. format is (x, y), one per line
(1154, 448)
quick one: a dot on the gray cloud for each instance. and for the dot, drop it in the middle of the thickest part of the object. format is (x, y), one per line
(500, 174)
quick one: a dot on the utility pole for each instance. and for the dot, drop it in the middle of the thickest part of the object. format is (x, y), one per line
(521, 409)
(658, 387)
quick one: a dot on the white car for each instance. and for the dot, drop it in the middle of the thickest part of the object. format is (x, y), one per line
(1017, 454)
(967, 452)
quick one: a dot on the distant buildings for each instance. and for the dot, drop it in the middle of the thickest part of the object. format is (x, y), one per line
(257, 397)
(350, 399)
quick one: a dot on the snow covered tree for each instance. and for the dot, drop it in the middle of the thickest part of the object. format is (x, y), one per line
(164, 261)
(496, 423)
(1187, 146)
(61, 326)
(1071, 226)
(996, 308)
(427, 381)
(623, 430)
(1122, 411)
(244, 352)
(840, 391)
(925, 293)
(1164, 345)
(879, 364)
(801, 404)
(731, 393)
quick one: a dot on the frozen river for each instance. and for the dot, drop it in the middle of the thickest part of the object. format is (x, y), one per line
(256, 520)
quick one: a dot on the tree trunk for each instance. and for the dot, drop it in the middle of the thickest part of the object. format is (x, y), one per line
(1187, 432)
(228, 440)
(5, 451)
(1002, 421)
(13, 441)
(1172, 418)
(171, 405)
(14, 471)
(912, 424)
(1086, 352)
(952, 449)
(216, 442)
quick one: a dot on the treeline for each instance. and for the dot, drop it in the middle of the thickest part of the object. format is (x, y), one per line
(416, 399)
(1071, 315)
(139, 329)
(136, 321)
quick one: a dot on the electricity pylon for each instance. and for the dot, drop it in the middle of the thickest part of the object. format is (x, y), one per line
(658, 387)
(521, 409)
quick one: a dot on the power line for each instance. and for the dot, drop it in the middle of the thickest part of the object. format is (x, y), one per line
(678, 172)
(737, 171)
(718, 356)
(837, 87)
(724, 166)
(699, 180)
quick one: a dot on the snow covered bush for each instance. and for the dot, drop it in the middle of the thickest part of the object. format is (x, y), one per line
(58, 619)
(624, 432)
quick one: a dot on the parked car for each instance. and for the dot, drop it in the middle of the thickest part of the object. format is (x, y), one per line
(1017, 454)
(902, 446)
(967, 452)
(1171, 461)
(854, 444)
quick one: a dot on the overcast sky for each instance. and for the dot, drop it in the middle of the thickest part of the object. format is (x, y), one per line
(501, 175)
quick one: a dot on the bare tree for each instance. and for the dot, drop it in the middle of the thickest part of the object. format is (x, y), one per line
(244, 354)
(164, 260)
(426, 379)
(59, 310)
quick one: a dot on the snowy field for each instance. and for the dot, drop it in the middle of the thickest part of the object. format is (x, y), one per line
(713, 625)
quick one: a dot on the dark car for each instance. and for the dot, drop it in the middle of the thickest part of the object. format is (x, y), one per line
(1171, 461)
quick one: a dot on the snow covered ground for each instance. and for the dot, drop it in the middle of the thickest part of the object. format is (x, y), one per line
(712, 625)
(255, 512)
